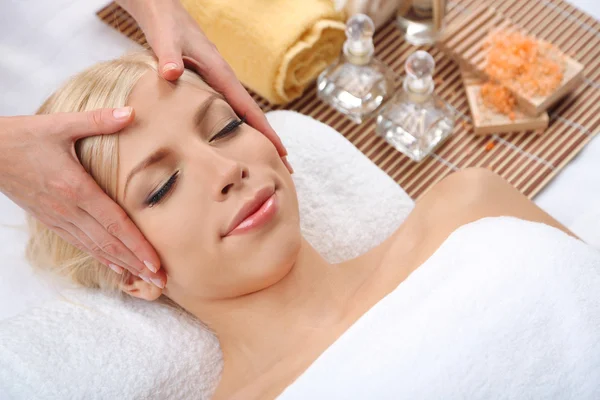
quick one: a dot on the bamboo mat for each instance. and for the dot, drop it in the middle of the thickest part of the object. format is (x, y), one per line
(527, 160)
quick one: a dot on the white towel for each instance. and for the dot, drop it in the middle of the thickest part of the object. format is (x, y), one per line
(505, 309)
(349, 193)
(89, 346)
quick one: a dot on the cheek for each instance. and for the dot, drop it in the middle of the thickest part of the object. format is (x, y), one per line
(257, 148)
(179, 230)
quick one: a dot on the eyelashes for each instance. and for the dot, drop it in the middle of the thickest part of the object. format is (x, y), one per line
(166, 189)
(230, 128)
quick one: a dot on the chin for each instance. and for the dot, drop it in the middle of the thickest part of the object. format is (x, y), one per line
(271, 263)
(267, 255)
(284, 260)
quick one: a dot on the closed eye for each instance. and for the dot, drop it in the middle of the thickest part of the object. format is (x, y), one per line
(230, 128)
(163, 191)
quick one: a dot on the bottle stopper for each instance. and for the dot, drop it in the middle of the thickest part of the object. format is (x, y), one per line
(419, 69)
(359, 47)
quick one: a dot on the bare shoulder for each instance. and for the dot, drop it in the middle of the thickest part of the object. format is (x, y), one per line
(463, 197)
(472, 194)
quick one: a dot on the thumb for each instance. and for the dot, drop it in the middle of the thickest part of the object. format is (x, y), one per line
(170, 63)
(90, 123)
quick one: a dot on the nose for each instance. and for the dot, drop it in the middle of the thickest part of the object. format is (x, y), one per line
(231, 175)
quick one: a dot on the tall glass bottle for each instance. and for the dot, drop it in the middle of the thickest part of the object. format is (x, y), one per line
(357, 83)
(416, 121)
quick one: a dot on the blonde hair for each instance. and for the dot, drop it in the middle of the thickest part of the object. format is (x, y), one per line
(104, 85)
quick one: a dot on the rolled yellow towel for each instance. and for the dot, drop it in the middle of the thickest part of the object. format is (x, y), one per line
(276, 47)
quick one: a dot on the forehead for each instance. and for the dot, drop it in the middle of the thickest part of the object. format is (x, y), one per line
(161, 106)
(152, 95)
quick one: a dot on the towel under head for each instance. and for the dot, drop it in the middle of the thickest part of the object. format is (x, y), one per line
(276, 47)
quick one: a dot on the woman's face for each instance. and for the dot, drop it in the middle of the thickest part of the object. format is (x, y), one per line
(210, 193)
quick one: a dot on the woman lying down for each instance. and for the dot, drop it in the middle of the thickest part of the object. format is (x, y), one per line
(510, 308)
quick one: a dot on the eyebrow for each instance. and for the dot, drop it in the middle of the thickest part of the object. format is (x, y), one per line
(201, 112)
(162, 153)
(154, 158)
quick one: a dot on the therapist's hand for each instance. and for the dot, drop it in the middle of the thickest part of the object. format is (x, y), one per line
(173, 34)
(39, 171)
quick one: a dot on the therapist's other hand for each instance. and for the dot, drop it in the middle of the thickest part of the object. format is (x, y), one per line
(39, 171)
(174, 36)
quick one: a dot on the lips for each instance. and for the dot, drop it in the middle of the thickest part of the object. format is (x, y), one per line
(256, 211)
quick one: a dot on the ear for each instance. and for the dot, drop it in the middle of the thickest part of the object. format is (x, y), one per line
(137, 287)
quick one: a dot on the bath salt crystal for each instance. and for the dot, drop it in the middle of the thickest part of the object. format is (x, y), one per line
(534, 66)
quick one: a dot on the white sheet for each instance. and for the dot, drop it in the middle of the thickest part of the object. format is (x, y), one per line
(493, 314)
(43, 42)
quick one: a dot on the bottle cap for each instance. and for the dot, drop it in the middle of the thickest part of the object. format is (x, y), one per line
(419, 71)
(359, 34)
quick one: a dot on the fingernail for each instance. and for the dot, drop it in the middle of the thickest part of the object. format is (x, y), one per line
(285, 152)
(150, 266)
(287, 164)
(116, 268)
(146, 279)
(158, 282)
(122, 113)
(169, 66)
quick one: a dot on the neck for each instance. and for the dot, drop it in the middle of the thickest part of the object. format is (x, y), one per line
(255, 330)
